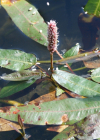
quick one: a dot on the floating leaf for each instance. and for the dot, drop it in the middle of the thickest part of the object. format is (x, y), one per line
(93, 7)
(96, 75)
(76, 83)
(27, 18)
(16, 60)
(14, 87)
(67, 111)
(79, 57)
(22, 75)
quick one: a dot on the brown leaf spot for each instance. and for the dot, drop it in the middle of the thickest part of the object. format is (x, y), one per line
(39, 118)
(15, 112)
(46, 123)
(22, 120)
(36, 104)
(5, 109)
(64, 118)
(39, 107)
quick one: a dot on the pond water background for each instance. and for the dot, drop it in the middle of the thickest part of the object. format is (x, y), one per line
(65, 13)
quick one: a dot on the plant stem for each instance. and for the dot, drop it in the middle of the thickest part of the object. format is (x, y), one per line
(42, 69)
(66, 63)
(79, 69)
(47, 61)
(51, 57)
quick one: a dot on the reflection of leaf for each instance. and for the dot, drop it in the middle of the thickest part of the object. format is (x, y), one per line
(16, 60)
(96, 75)
(92, 64)
(28, 19)
(93, 7)
(14, 87)
(22, 75)
(66, 111)
(48, 97)
(76, 83)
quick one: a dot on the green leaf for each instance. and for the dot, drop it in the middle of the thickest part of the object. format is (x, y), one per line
(22, 75)
(14, 87)
(66, 134)
(28, 20)
(16, 60)
(72, 52)
(59, 91)
(93, 7)
(76, 83)
(66, 111)
(96, 75)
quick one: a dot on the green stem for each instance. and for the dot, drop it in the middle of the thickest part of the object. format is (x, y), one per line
(79, 69)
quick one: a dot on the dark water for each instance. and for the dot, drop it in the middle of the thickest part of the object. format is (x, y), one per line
(71, 30)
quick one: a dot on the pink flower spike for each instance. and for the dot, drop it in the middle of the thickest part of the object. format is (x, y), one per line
(52, 36)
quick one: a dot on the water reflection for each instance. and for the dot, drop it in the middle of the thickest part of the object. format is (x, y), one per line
(89, 26)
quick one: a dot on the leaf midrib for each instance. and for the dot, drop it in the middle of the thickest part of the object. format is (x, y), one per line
(77, 84)
(61, 111)
(28, 20)
(16, 60)
(97, 8)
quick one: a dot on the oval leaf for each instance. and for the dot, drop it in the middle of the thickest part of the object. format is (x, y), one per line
(55, 112)
(27, 18)
(16, 60)
(22, 75)
(14, 87)
(96, 75)
(76, 83)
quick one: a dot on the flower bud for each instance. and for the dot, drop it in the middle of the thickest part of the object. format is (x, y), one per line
(52, 36)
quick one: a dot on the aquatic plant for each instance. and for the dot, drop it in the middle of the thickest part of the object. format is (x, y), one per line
(76, 114)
